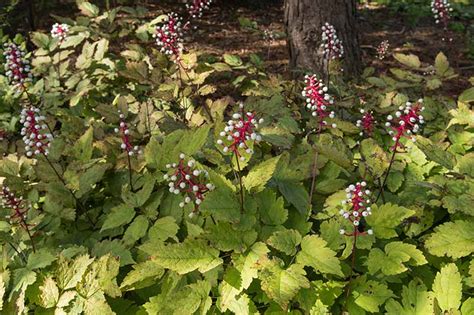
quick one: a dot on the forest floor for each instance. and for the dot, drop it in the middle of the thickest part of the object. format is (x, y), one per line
(220, 31)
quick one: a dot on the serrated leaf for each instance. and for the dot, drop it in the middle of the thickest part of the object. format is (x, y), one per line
(115, 248)
(467, 307)
(260, 174)
(222, 204)
(396, 254)
(118, 216)
(226, 238)
(183, 257)
(467, 96)
(83, 147)
(370, 295)
(386, 218)
(441, 64)
(40, 40)
(143, 274)
(285, 241)
(335, 150)
(88, 9)
(395, 181)
(316, 254)
(416, 300)
(70, 272)
(137, 229)
(375, 157)
(49, 293)
(435, 153)
(232, 60)
(281, 285)
(40, 259)
(72, 41)
(453, 239)
(411, 61)
(163, 229)
(447, 288)
(272, 209)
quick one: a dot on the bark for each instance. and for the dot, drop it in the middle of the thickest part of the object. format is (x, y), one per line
(303, 21)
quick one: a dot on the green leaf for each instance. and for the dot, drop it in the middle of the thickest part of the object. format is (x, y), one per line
(138, 199)
(49, 293)
(88, 9)
(40, 40)
(72, 41)
(410, 60)
(222, 204)
(272, 210)
(370, 295)
(285, 241)
(281, 285)
(453, 239)
(447, 288)
(435, 153)
(319, 309)
(316, 254)
(259, 175)
(143, 274)
(335, 150)
(232, 60)
(466, 164)
(163, 229)
(467, 96)
(396, 254)
(137, 229)
(441, 64)
(116, 248)
(386, 218)
(118, 216)
(468, 307)
(395, 181)
(83, 147)
(375, 157)
(294, 193)
(463, 115)
(183, 257)
(226, 238)
(416, 300)
(40, 259)
(69, 272)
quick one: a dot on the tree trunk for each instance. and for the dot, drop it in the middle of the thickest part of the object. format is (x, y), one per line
(303, 21)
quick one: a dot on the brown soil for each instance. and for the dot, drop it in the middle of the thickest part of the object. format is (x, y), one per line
(219, 32)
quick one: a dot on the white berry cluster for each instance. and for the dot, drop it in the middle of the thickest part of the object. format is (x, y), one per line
(441, 11)
(169, 36)
(60, 31)
(17, 66)
(35, 133)
(358, 202)
(125, 135)
(196, 7)
(382, 49)
(406, 122)
(184, 177)
(317, 99)
(240, 133)
(331, 44)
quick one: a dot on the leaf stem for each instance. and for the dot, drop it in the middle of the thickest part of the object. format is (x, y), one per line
(313, 172)
(240, 184)
(78, 203)
(392, 159)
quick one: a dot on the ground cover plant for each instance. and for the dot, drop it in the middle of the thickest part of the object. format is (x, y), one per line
(140, 175)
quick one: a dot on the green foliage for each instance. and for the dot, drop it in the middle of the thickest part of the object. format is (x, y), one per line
(106, 234)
